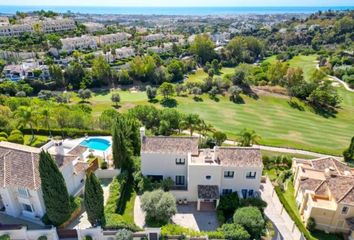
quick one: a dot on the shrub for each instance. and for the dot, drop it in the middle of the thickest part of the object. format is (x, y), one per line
(5, 237)
(87, 237)
(174, 230)
(16, 136)
(3, 139)
(311, 224)
(228, 204)
(251, 219)
(124, 234)
(4, 135)
(159, 206)
(104, 165)
(255, 202)
(234, 231)
(42, 238)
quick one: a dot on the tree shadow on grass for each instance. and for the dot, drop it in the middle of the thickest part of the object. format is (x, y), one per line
(237, 100)
(296, 105)
(326, 112)
(197, 99)
(125, 196)
(215, 98)
(153, 101)
(101, 92)
(169, 102)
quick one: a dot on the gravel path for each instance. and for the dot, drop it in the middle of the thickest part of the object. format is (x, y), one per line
(346, 86)
(139, 215)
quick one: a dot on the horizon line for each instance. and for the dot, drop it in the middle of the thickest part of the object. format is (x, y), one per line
(163, 6)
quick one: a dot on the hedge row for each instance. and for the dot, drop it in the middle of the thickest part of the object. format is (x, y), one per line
(66, 132)
(292, 214)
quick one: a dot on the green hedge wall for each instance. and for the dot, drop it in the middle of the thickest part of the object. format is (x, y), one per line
(292, 214)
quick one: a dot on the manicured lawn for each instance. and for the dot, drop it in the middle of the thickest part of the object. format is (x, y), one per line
(277, 122)
(200, 75)
(39, 140)
(292, 155)
(307, 63)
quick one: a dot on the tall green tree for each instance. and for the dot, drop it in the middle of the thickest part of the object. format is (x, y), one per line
(93, 199)
(348, 154)
(46, 117)
(101, 71)
(203, 48)
(120, 148)
(57, 75)
(55, 194)
(167, 89)
(26, 116)
(191, 122)
(247, 138)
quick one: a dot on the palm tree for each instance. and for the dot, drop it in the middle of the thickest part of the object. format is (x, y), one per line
(204, 128)
(46, 117)
(191, 122)
(248, 137)
(26, 117)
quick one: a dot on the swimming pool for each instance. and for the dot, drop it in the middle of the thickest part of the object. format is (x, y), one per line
(99, 144)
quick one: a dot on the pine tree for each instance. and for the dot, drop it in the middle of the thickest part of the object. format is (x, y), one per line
(55, 194)
(93, 199)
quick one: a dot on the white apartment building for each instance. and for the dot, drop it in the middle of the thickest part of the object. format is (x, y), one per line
(164, 48)
(83, 42)
(153, 37)
(125, 52)
(201, 175)
(46, 26)
(93, 26)
(121, 37)
(20, 184)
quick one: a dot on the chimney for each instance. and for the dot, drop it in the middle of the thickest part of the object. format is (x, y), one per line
(142, 134)
(59, 147)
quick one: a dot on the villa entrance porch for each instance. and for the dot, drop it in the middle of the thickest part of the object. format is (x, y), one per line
(208, 197)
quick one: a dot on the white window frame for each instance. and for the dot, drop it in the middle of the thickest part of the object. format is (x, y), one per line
(229, 174)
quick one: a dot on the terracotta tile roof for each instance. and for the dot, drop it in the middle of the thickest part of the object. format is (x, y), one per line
(19, 165)
(239, 156)
(310, 184)
(78, 150)
(80, 167)
(208, 192)
(332, 178)
(179, 145)
(331, 163)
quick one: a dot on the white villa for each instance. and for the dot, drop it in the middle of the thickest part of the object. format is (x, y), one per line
(20, 183)
(153, 37)
(164, 48)
(201, 175)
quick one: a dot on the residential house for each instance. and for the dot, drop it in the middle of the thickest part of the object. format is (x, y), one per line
(83, 42)
(20, 183)
(4, 21)
(31, 25)
(153, 37)
(163, 48)
(93, 26)
(324, 191)
(114, 38)
(14, 72)
(125, 52)
(201, 175)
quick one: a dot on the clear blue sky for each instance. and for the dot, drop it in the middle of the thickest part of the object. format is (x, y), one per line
(170, 3)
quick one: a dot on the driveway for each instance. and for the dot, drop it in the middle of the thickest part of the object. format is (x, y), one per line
(81, 222)
(139, 215)
(188, 216)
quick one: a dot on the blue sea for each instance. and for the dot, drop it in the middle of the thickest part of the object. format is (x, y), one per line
(172, 10)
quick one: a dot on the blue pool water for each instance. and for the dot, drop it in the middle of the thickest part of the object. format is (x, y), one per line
(96, 144)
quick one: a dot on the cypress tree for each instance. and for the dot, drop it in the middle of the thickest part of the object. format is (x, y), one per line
(93, 199)
(55, 194)
(348, 154)
(121, 149)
